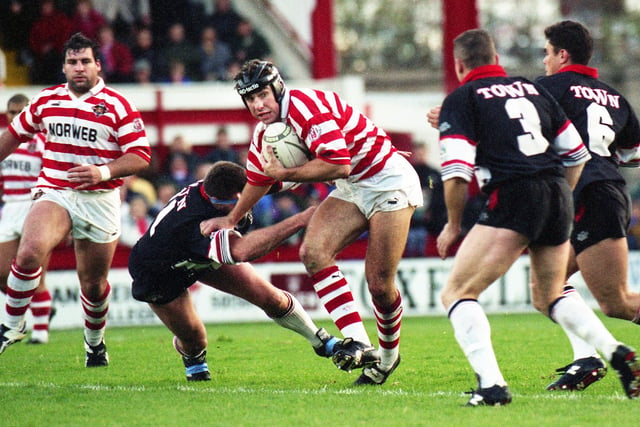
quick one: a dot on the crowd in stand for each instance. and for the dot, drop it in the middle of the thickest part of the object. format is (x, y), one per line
(142, 41)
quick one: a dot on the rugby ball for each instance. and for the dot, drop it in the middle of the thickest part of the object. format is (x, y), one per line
(287, 146)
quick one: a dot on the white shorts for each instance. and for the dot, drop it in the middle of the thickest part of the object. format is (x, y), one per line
(395, 187)
(12, 219)
(95, 215)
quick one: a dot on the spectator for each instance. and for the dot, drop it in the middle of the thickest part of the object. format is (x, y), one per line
(124, 15)
(202, 169)
(215, 56)
(286, 205)
(225, 20)
(165, 190)
(116, 58)
(178, 170)
(142, 72)
(87, 20)
(135, 185)
(135, 220)
(222, 149)
(48, 34)
(178, 49)
(144, 50)
(181, 146)
(178, 73)
(164, 13)
(248, 44)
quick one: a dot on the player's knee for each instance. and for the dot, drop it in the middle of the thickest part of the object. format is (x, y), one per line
(615, 310)
(313, 258)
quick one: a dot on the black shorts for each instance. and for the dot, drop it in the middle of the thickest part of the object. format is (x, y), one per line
(540, 208)
(603, 211)
(157, 284)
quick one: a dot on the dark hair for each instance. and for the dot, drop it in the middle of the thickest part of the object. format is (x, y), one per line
(224, 180)
(256, 75)
(474, 48)
(572, 37)
(79, 41)
(18, 98)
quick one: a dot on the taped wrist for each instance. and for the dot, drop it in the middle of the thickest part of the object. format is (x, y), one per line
(105, 173)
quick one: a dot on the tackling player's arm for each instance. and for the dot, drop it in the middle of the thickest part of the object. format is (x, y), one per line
(260, 242)
(230, 247)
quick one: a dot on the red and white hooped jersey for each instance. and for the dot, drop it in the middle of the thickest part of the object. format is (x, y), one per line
(332, 129)
(19, 171)
(96, 128)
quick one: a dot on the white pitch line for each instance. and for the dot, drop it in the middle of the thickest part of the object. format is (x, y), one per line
(301, 392)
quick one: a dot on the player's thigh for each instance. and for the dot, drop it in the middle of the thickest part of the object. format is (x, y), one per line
(485, 254)
(178, 312)
(387, 239)
(604, 267)
(243, 281)
(334, 224)
(46, 225)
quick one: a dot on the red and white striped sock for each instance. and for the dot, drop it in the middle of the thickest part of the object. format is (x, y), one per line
(40, 310)
(389, 320)
(21, 285)
(94, 314)
(336, 297)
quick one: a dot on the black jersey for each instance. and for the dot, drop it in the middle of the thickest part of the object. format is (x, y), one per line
(605, 120)
(502, 128)
(174, 239)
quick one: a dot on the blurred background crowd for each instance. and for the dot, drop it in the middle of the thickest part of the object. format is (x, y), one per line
(142, 41)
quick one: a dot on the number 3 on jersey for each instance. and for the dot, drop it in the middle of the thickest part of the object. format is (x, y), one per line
(531, 142)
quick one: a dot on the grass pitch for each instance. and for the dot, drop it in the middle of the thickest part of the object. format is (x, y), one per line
(263, 375)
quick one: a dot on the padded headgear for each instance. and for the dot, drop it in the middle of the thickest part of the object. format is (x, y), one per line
(256, 75)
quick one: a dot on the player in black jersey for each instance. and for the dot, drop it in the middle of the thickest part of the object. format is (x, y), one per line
(609, 128)
(526, 156)
(173, 254)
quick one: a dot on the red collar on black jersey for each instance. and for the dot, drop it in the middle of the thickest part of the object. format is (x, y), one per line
(581, 69)
(483, 72)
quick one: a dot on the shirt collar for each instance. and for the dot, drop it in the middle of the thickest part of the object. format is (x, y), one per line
(483, 72)
(92, 92)
(580, 69)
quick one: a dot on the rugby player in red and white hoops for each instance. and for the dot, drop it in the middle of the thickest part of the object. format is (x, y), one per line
(18, 175)
(377, 191)
(95, 136)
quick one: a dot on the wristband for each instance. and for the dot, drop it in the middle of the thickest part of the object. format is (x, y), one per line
(105, 173)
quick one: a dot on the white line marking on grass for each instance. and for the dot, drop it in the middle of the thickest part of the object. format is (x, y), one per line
(617, 396)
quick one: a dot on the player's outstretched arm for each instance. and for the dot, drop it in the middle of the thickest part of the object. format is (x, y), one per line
(262, 241)
(8, 144)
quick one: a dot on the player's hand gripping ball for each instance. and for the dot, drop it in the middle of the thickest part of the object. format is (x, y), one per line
(288, 148)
